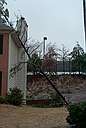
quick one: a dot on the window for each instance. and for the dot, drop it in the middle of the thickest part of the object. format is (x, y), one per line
(1, 44)
(0, 82)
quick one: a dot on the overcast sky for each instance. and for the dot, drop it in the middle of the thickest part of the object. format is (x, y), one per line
(60, 20)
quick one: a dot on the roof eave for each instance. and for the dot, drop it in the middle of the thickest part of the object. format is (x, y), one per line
(15, 37)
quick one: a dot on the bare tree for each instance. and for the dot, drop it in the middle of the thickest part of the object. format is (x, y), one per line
(63, 55)
(25, 47)
(50, 61)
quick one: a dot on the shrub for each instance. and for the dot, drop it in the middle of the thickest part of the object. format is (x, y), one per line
(15, 96)
(56, 101)
(77, 115)
(2, 100)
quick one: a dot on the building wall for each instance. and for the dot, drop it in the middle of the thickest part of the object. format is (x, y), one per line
(22, 74)
(4, 62)
(13, 60)
(16, 55)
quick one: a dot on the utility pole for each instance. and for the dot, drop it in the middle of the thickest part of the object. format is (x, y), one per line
(84, 14)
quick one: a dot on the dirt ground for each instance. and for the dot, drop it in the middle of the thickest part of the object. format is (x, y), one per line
(30, 117)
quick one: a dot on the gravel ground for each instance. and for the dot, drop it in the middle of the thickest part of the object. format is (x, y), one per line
(30, 117)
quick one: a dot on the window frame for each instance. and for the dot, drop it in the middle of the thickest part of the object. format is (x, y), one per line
(1, 44)
(0, 83)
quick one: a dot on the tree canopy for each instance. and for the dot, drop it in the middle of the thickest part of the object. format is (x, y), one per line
(78, 58)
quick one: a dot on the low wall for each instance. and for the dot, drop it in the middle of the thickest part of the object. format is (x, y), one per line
(43, 101)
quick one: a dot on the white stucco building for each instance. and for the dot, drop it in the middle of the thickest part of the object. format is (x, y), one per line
(13, 66)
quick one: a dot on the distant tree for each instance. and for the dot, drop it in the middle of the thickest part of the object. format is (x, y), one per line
(77, 50)
(34, 63)
(63, 55)
(76, 55)
(83, 62)
(49, 63)
(4, 13)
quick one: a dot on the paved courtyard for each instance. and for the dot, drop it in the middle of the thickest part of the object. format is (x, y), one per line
(30, 117)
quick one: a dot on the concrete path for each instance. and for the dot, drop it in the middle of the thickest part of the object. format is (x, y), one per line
(28, 117)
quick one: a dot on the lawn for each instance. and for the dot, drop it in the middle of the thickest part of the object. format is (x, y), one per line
(32, 117)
